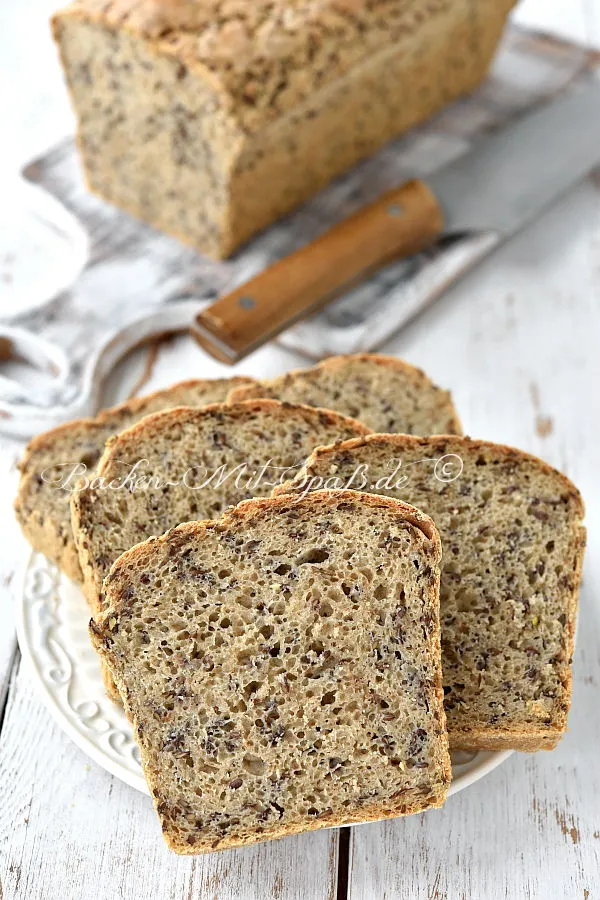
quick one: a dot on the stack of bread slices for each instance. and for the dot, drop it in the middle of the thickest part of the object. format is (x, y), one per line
(306, 591)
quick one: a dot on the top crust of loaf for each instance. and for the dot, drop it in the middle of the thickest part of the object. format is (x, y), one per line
(266, 56)
(435, 404)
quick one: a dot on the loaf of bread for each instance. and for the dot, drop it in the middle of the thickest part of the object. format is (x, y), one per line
(54, 462)
(513, 547)
(281, 667)
(210, 119)
(186, 464)
(386, 393)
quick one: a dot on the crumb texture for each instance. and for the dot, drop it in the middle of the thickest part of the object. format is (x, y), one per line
(42, 505)
(386, 393)
(191, 464)
(281, 673)
(512, 553)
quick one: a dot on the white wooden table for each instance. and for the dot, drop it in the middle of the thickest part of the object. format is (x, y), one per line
(519, 344)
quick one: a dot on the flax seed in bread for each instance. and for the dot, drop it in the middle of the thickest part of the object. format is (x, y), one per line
(281, 667)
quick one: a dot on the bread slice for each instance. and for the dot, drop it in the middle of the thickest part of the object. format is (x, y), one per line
(513, 550)
(385, 393)
(60, 457)
(281, 667)
(191, 464)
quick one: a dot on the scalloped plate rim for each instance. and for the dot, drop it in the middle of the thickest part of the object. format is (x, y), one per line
(488, 760)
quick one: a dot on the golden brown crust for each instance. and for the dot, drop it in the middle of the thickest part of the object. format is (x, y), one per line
(266, 57)
(440, 442)
(183, 413)
(410, 801)
(504, 739)
(410, 804)
(248, 509)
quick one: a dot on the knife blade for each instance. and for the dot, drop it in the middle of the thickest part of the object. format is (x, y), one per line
(510, 177)
(505, 181)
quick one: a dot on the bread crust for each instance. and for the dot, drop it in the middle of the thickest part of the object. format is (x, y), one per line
(412, 374)
(441, 441)
(186, 32)
(513, 737)
(410, 802)
(44, 537)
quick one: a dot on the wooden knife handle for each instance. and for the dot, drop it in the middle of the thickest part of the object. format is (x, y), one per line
(400, 223)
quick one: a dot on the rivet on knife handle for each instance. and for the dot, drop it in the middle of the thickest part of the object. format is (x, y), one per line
(400, 223)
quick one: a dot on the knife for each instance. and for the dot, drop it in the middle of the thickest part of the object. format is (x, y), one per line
(443, 225)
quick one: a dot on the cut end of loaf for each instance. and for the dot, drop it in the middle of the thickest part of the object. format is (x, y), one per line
(212, 152)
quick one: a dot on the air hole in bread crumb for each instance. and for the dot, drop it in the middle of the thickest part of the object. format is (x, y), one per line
(251, 688)
(253, 764)
(315, 555)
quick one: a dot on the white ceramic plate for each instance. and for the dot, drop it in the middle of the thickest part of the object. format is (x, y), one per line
(52, 619)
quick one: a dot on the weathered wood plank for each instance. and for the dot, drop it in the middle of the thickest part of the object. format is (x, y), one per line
(14, 551)
(69, 830)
